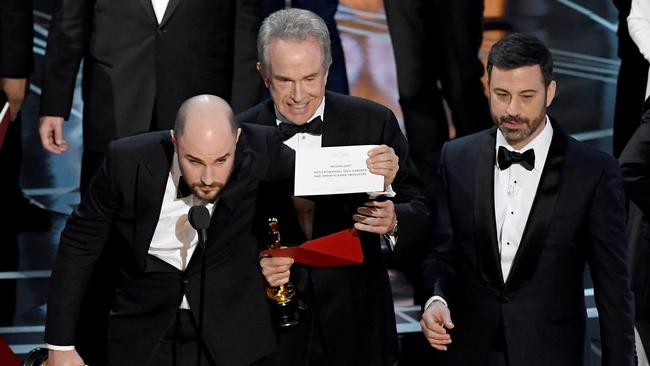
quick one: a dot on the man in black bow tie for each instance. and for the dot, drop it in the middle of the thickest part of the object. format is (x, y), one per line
(138, 205)
(527, 207)
(348, 316)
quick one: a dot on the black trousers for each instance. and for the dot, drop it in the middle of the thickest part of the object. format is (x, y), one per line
(180, 345)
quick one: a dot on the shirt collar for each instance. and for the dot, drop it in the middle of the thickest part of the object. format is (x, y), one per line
(320, 112)
(541, 143)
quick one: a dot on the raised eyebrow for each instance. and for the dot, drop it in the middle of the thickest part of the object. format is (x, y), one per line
(192, 157)
(224, 157)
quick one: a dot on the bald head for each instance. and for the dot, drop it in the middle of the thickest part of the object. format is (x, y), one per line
(205, 138)
(204, 112)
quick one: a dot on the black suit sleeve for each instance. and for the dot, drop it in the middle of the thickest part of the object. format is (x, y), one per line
(16, 34)
(247, 83)
(438, 263)
(607, 258)
(82, 241)
(411, 205)
(66, 46)
(635, 166)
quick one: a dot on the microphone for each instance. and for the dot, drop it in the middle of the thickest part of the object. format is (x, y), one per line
(199, 218)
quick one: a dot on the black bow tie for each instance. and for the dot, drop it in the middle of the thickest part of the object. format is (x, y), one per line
(505, 158)
(183, 190)
(314, 127)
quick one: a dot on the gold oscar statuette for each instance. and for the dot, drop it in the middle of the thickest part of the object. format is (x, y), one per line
(282, 297)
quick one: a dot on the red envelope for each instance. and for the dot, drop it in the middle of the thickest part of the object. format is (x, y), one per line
(334, 250)
(7, 356)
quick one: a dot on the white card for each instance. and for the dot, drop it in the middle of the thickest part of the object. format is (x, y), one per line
(335, 170)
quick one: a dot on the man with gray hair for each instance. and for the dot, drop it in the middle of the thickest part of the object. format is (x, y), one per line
(348, 316)
(138, 204)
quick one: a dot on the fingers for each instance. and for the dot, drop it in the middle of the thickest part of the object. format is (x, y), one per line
(382, 158)
(276, 270)
(436, 340)
(50, 131)
(383, 161)
(15, 90)
(375, 217)
(435, 322)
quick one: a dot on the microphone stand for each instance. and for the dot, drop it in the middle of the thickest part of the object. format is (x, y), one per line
(202, 238)
(199, 218)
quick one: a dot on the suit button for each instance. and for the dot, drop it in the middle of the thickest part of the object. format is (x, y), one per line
(186, 281)
(505, 299)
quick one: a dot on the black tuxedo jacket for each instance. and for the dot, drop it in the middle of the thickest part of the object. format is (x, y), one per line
(635, 168)
(577, 218)
(121, 210)
(354, 303)
(137, 73)
(16, 39)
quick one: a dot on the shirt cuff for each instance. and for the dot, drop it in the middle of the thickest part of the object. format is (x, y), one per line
(60, 348)
(388, 192)
(432, 299)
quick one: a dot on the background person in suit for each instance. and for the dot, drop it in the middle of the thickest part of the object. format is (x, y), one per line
(528, 207)
(16, 65)
(142, 59)
(632, 77)
(349, 317)
(635, 169)
(436, 42)
(436, 45)
(138, 203)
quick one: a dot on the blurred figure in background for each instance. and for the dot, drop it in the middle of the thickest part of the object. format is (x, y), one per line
(635, 168)
(142, 59)
(436, 45)
(16, 65)
(632, 77)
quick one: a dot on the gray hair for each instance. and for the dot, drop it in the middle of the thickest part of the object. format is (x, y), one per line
(293, 24)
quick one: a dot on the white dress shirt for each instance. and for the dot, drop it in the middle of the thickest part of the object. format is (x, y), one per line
(159, 7)
(638, 24)
(174, 240)
(514, 192)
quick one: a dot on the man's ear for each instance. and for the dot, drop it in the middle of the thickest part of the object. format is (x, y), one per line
(171, 132)
(238, 134)
(550, 93)
(260, 69)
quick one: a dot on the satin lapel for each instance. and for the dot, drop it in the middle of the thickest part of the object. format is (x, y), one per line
(534, 237)
(171, 8)
(266, 116)
(148, 8)
(150, 188)
(334, 123)
(485, 236)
